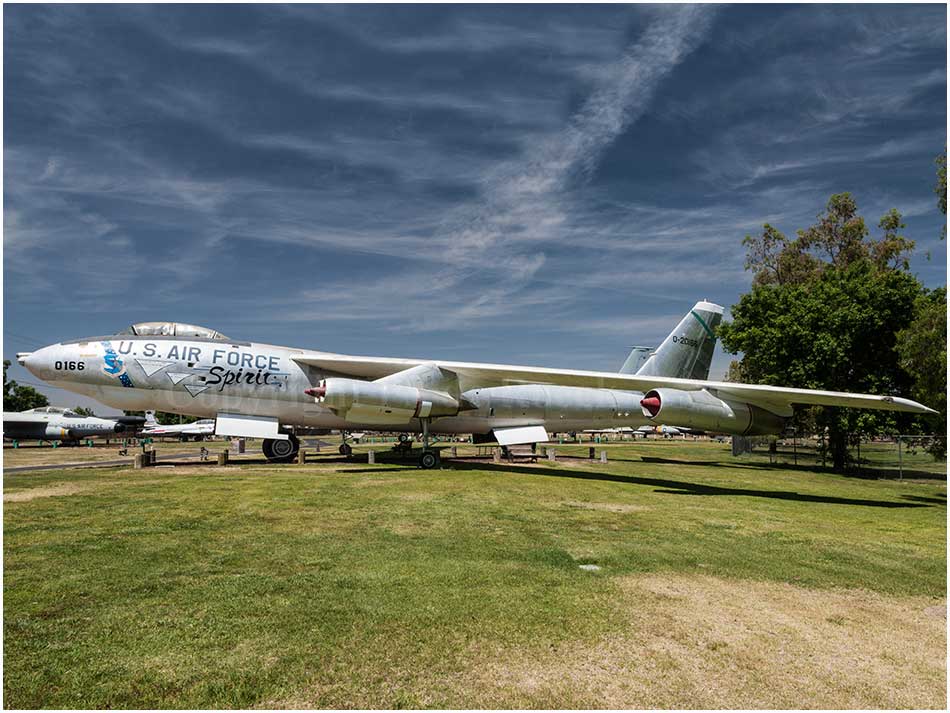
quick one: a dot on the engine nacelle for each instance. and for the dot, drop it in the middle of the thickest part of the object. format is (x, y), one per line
(384, 404)
(702, 410)
(529, 403)
(54, 433)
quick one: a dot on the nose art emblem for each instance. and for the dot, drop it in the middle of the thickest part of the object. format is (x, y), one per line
(114, 365)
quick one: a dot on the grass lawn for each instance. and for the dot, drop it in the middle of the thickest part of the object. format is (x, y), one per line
(722, 583)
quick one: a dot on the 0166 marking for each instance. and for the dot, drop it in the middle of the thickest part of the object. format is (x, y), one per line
(69, 366)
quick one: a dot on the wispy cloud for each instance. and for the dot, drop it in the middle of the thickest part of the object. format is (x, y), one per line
(525, 199)
(497, 180)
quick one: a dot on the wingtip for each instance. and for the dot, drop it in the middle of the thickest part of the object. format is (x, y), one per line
(910, 405)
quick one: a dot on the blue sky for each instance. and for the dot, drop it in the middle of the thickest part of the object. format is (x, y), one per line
(523, 184)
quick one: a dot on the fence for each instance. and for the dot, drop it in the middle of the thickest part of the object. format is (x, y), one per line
(897, 456)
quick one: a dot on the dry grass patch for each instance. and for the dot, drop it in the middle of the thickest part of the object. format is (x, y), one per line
(384, 479)
(704, 642)
(20, 457)
(606, 507)
(22, 496)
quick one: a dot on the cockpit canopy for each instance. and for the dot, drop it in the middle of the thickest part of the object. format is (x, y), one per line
(54, 410)
(172, 329)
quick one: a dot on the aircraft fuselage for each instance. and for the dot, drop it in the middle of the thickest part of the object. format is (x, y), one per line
(205, 377)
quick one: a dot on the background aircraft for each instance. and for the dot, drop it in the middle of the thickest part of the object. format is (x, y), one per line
(51, 423)
(664, 430)
(196, 431)
(637, 358)
(263, 391)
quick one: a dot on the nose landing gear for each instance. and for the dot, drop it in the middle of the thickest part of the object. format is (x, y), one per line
(281, 451)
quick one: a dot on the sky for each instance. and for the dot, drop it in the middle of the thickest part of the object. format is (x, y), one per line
(543, 185)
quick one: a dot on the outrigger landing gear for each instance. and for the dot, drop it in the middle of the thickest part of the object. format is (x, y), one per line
(345, 448)
(429, 458)
(280, 451)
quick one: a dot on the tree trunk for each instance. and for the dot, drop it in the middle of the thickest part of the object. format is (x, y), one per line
(838, 443)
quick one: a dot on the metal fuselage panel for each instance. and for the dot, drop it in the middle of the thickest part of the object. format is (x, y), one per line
(204, 377)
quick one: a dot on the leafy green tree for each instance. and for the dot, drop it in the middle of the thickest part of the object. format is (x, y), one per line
(922, 350)
(20, 398)
(824, 312)
(83, 411)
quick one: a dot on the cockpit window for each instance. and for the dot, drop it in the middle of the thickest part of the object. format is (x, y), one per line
(172, 329)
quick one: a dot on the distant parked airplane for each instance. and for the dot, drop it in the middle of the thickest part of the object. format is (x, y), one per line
(196, 431)
(664, 430)
(51, 423)
(262, 391)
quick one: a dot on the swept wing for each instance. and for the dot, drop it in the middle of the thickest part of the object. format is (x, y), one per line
(777, 399)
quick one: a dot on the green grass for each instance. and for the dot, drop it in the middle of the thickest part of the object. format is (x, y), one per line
(340, 584)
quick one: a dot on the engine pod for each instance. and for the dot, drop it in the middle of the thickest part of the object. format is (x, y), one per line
(380, 403)
(702, 410)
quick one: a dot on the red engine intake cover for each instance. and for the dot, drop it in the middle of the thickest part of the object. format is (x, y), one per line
(651, 404)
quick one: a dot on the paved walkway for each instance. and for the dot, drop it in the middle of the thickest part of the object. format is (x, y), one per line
(101, 463)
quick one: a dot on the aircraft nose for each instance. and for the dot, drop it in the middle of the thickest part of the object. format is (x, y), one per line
(38, 363)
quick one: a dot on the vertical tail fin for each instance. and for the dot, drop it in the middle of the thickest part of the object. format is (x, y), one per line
(638, 356)
(688, 351)
(150, 419)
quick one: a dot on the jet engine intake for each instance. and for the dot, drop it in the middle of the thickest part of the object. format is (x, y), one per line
(379, 403)
(702, 410)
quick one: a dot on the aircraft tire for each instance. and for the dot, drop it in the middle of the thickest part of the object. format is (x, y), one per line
(346, 449)
(403, 437)
(428, 460)
(279, 451)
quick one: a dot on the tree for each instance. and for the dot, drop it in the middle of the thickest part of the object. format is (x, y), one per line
(735, 373)
(922, 350)
(824, 311)
(941, 188)
(837, 240)
(20, 398)
(83, 411)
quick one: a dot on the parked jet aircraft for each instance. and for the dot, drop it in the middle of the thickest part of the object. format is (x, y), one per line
(50, 423)
(196, 431)
(663, 430)
(262, 391)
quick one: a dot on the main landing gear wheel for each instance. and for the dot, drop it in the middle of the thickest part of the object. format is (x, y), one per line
(281, 451)
(346, 449)
(429, 459)
(403, 437)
